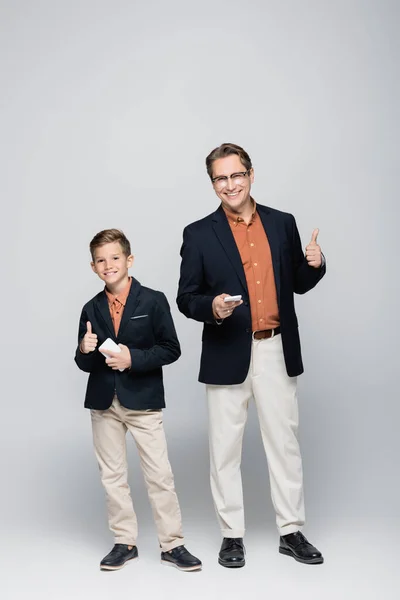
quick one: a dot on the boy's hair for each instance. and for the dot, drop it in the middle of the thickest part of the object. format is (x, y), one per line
(226, 150)
(108, 236)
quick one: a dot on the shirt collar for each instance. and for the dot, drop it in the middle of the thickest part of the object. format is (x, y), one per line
(122, 296)
(233, 218)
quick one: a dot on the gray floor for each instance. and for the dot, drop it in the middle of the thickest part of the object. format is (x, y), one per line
(359, 563)
(54, 528)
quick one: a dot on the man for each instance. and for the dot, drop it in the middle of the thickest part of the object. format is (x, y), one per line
(250, 347)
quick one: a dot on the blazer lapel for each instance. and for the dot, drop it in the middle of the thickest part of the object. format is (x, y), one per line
(131, 303)
(225, 236)
(270, 229)
(103, 308)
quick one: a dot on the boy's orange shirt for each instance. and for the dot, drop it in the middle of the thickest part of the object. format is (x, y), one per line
(117, 304)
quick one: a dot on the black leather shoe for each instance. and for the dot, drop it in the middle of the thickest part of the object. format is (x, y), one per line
(181, 559)
(232, 553)
(297, 546)
(118, 556)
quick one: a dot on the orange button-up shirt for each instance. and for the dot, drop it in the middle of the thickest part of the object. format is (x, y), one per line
(117, 303)
(255, 252)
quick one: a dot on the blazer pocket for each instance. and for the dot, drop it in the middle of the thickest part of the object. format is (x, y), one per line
(139, 317)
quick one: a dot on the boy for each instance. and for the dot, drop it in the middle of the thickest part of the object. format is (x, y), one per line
(125, 392)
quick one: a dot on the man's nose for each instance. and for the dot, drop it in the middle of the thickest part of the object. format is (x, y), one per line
(230, 185)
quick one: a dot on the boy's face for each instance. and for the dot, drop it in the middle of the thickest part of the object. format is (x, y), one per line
(111, 264)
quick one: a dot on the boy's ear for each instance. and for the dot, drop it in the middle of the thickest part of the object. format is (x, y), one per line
(130, 260)
(93, 267)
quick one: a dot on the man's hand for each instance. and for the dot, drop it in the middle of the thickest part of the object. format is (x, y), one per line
(89, 340)
(313, 251)
(223, 309)
(119, 360)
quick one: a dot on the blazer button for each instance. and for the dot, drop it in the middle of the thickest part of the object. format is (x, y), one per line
(248, 330)
(246, 303)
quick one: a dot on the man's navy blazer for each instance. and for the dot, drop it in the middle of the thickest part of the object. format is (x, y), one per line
(211, 265)
(148, 330)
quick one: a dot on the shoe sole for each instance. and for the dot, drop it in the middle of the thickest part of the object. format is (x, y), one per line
(107, 568)
(171, 564)
(310, 561)
(232, 565)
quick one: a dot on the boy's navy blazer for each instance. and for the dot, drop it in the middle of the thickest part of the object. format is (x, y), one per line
(211, 265)
(148, 330)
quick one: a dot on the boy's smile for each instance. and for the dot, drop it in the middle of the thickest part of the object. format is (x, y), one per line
(111, 265)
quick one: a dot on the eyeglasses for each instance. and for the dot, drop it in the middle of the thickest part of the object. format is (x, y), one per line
(236, 178)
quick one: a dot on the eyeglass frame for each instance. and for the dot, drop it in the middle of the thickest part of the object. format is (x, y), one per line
(225, 178)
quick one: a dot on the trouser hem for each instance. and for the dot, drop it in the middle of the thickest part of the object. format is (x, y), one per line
(127, 541)
(172, 545)
(289, 529)
(232, 533)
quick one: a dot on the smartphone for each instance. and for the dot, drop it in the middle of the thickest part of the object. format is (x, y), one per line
(109, 344)
(233, 298)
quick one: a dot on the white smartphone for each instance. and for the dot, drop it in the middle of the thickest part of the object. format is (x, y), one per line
(109, 344)
(233, 298)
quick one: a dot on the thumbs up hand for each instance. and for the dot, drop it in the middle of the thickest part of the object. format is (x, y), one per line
(313, 251)
(89, 340)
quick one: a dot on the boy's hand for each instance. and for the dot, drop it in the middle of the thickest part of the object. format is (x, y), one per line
(89, 340)
(119, 360)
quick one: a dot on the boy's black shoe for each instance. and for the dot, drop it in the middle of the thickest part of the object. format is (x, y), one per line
(181, 559)
(232, 553)
(297, 546)
(118, 556)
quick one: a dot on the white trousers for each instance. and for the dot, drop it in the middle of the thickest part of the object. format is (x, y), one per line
(274, 393)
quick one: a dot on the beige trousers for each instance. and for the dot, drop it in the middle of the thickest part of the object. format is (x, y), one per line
(274, 393)
(109, 436)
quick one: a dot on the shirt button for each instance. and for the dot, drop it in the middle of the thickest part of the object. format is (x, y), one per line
(259, 302)
(255, 264)
(261, 320)
(258, 283)
(251, 244)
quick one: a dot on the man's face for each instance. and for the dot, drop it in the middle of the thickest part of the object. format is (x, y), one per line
(234, 192)
(111, 264)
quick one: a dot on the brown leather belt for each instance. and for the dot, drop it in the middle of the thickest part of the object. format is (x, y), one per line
(266, 333)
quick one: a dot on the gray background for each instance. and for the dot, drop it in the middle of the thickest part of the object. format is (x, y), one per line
(108, 110)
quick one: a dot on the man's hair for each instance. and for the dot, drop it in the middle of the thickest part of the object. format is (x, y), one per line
(226, 150)
(108, 236)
